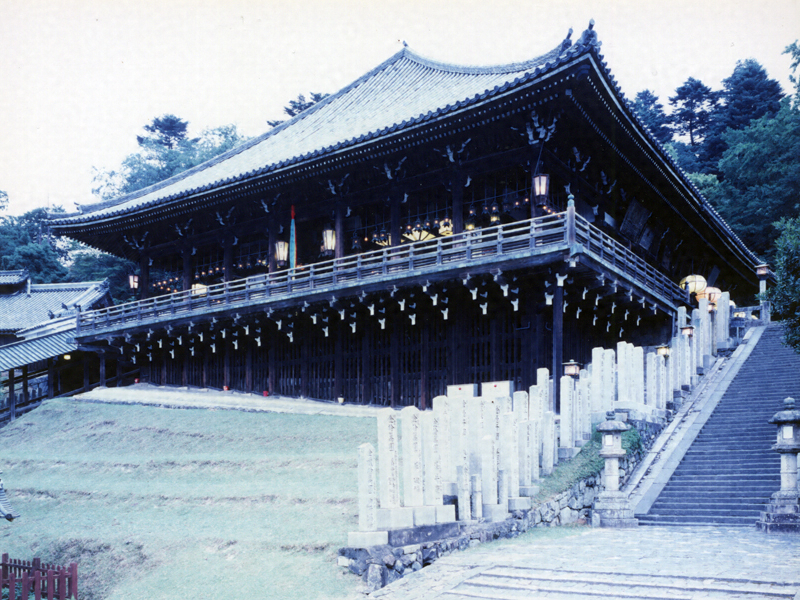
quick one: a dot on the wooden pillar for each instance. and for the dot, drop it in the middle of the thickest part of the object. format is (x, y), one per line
(394, 364)
(339, 228)
(338, 360)
(271, 366)
(495, 349)
(12, 395)
(425, 365)
(185, 356)
(188, 276)
(51, 377)
(227, 259)
(558, 346)
(102, 359)
(395, 225)
(144, 276)
(120, 371)
(366, 363)
(226, 361)
(164, 359)
(86, 372)
(457, 187)
(26, 395)
(204, 357)
(305, 355)
(248, 364)
(272, 235)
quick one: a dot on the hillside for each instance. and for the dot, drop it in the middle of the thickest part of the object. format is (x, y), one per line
(167, 503)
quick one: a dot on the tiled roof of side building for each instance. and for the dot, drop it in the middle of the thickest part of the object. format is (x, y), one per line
(21, 310)
(30, 351)
(405, 90)
(13, 277)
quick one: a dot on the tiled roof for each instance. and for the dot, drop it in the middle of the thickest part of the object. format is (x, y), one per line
(13, 277)
(36, 349)
(21, 310)
(405, 90)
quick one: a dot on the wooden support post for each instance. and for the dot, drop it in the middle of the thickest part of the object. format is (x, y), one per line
(305, 353)
(457, 185)
(339, 229)
(273, 239)
(226, 362)
(120, 371)
(26, 396)
(395, 227)
(12, 394)
(227, 260)
(425, 365)
(102, 358)
(394, 365)
(188, 278)
(338, 359)
(185, 364)
(205, 357)
(86, 372)
(144, 275)
(558, 346)
(495, 348)
(51, 377)
(271, 365)
(164, 359)
(366, 363)
(248, 364)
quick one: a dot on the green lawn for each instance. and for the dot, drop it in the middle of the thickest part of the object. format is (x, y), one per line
(166, 503)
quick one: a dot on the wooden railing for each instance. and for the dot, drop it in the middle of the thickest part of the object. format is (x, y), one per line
(37, 578)
(613, 254)
(483, 246)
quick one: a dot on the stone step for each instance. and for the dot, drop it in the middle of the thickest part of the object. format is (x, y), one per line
(516, 583)
(691, 510)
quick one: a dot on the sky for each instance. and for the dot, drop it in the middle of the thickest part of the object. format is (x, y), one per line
(80, 78)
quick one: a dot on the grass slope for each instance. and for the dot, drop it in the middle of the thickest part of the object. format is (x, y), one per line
(164, 503)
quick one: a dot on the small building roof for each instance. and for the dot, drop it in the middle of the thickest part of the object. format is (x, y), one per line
(13, 277)
(40, 302)
(27, 352)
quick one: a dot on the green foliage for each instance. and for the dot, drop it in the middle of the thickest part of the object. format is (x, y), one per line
(92, 265)
(651, 112)
(693, 105)
(299, 105)
(165, 151)
(761, 178)
(793, 50)
(3, 200)
(785, 296)
(24, 244)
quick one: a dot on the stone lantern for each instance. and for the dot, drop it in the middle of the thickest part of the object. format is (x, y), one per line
(783, 513)
(612, 509)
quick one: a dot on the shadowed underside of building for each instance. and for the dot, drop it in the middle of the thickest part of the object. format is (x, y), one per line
(390, 240)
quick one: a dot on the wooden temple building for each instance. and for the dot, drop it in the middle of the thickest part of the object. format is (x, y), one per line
(429, 224)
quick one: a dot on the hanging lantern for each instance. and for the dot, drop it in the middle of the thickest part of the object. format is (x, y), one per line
(383, 239)
(281, 252)
(693, 283)
(446, 225)
(355, 245)
(471, 221)
(494, 214)
(133, 282)
(328, 241)
(541, 186)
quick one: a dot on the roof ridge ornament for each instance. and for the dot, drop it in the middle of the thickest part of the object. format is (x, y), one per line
(567, 41)
(589, 37)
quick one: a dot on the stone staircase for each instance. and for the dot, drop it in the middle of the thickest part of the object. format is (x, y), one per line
(729, 472)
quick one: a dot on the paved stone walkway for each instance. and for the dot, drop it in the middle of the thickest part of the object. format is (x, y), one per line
(183, 397)
(647, 562)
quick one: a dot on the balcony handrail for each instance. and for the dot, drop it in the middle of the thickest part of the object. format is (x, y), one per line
(530, 235)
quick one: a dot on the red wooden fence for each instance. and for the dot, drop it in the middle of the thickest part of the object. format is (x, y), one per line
(37, 578)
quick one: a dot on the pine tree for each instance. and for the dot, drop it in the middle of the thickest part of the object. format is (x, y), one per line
(652, 114)
(693, 104)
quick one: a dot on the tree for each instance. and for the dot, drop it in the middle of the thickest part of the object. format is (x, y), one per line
(299, 105)
(92, 265)
(25, 244)
(651, 112)
(3, 200)
(165, 151)
(747, 94)
(793, 50)
(761, 177)
(693, 104)
(785, 296)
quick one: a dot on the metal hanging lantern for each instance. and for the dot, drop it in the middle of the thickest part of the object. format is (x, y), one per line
(446, 225)
(471, 222)
(355, 244)
(541, 187)
(328, 241)
(281, 252)
(494, 214)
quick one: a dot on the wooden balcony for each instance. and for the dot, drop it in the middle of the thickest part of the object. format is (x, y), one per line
(514, 245)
